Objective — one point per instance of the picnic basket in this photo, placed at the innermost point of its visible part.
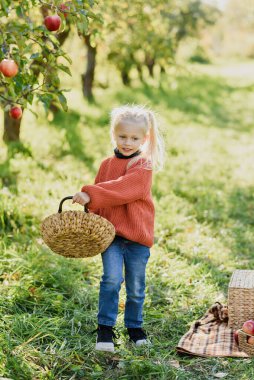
(243, 343)
(241, 298)
(77, 234)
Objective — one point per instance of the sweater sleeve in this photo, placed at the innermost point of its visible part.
(130, 187)
(96, 180)
(97, 177)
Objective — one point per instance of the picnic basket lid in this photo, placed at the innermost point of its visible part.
(242, 279)
(77, 234)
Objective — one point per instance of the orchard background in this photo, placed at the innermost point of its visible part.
(192, 62)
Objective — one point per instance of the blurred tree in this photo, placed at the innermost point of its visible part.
(141, 34)
(138, 34)
(232, 35)
(92, 37)
(237, 25)
(88, 76)
(241, 13)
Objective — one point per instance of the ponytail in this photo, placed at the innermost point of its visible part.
(156, 146)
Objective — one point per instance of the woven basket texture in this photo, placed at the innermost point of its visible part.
(77, 234)
(241, 298)
(243, 345)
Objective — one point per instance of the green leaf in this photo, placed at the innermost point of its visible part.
(63, 101)
(82, 27)
(46, 99)
(35, 55)
(7, 107)
(64, 68)
(19, 11)
(11, 90)
(30, 98)
(33, 112)
(67, 58)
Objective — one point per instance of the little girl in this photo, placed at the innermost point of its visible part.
(122, 194)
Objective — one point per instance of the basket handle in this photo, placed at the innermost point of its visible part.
(64, 199)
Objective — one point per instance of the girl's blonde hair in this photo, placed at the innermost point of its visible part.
(153, 148)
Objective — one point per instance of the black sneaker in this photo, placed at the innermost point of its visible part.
(104, 341)
(138, 336)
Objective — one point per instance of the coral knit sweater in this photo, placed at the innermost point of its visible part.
(123, 196)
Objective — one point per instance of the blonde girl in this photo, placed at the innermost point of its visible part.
(121, 193)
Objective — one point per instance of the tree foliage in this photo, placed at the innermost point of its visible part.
(37, 51)
(142, 33)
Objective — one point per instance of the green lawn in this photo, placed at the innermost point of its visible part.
(204, 229)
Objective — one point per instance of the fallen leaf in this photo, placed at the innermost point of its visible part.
(174, 363)
(32, 289)
(115, 358)
(220, 375)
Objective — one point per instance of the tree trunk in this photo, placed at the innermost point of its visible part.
(11, 128)
(150, 62)
(88, 76)
(162, 69)
(140, 72)
(125, 77)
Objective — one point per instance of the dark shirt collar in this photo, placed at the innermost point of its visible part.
(120, 155)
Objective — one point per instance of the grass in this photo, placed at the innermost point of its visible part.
(204, 230)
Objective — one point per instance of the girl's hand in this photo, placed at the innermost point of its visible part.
(81, 197)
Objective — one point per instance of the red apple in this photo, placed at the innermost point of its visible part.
(236, 336)
(248, 327)
(9, 68)
(15, 112)
(250, 340)
(63, 8)
(52, 23)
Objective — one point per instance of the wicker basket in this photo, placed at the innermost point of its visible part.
(241, 298)
(243, 344)
(77, 233)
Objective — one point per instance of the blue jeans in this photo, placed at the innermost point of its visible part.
(134, 256)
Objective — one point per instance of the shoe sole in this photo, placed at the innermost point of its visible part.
(143, 342)
(108, 347)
